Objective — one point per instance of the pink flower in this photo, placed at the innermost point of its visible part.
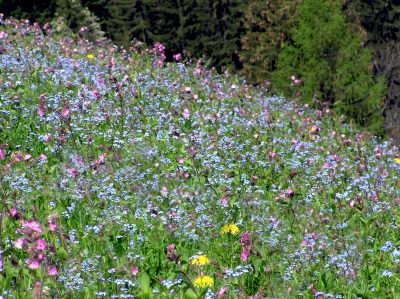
(246, 243)
(2, 154)
(65, 112)
(73, 171)
(40, 244)
(177, 57)
(186, 113)
(352, 203)
(52, 271)
(27, 157)
(134, 271)
(41, 111)
(41, 256)
(290, 192)
(52, 222)
(222, 292)
(225, 201)
(19, 243)
(164, 191)
(42, 157)
(14, 213)
(3, 35)
(33, 225)
(171, 247)
(33, 263)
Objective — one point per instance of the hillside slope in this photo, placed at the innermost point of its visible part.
(123, 177)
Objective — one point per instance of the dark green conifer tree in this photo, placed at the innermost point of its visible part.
(268, 24)
(331, 63)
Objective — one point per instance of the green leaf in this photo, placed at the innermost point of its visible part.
(144, 281)
(189, 294)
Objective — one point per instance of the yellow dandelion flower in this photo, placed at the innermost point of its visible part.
(203, 281)
(90, 56)
(200, 260)
(397, 160)
(230, 229)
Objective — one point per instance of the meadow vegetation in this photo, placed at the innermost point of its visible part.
(124, 176)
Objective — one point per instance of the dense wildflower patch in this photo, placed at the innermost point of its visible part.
(116, 168)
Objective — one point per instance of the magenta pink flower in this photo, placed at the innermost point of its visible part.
(52, 271)
(2, 154)
(33, 225)
(222, 292)
(65, 112)
(246, 243)
(177, 57)
(290, 192)
(134, 271)
(14, 213)
(40, 244)
(171, 247)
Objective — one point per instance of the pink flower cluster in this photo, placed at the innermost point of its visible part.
(34, 243)
(159, 50)
(246, 243)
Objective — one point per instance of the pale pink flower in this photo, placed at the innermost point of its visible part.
(19, 243)
(41, 111)
(42, 157)
(352, 203)
(186, 113)
(3, 35)
(164, 191)
(225, 201)
(33, 263)
(27, 157)
(52, 271)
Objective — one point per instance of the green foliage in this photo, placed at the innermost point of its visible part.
(381, 24)
(268, 24)
(75, 16)
(35, 10)
(331, 64)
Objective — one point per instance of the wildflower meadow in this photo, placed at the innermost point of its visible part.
(126, 176)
